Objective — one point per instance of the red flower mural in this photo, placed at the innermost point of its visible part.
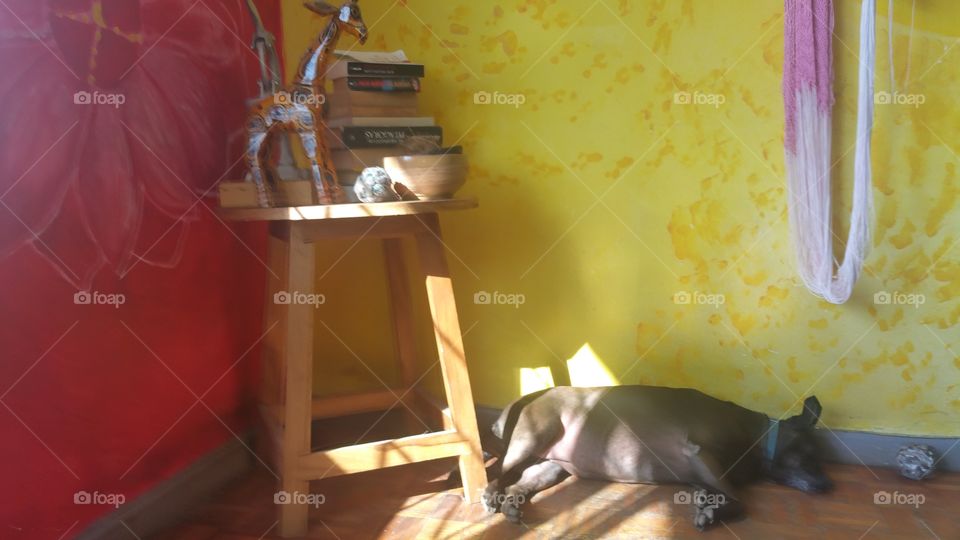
(118, 116)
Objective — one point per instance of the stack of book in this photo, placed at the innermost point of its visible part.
(373, 110)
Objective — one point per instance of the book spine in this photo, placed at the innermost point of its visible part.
(376, 84)
(375, 137)
(376, 111)
(385, 70)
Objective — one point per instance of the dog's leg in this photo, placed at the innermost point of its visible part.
(527, 445)
(533, 480)
(717, 502)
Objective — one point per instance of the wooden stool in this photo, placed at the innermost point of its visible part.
(287, 393)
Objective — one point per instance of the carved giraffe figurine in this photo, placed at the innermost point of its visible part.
(299, 109)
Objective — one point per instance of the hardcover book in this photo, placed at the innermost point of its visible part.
(378, 84)
(343, 96)
(380, 136)
(382, 111)
(410, 121)
(376, 64)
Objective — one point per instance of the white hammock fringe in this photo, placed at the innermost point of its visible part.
(808, 172)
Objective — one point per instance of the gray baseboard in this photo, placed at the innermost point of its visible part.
(839, 446)
(880, 450)
(167, 503)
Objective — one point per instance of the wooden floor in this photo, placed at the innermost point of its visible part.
(414, 501)
(411, 502)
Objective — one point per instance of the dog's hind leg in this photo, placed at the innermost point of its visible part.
(534, 479)
(527, 445)
(716, 502)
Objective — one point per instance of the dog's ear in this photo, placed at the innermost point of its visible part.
(811, 412)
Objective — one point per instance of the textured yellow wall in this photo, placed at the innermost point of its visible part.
(602, 198)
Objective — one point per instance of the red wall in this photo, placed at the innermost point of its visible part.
(95, 398)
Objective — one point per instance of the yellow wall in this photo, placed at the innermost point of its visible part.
(601, 198)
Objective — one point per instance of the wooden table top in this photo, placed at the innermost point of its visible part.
(342, 211)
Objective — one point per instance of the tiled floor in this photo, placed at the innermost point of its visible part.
(412, 502)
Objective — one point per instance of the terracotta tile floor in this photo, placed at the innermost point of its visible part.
(413, 502)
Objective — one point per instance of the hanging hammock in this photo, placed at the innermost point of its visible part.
(808, 105)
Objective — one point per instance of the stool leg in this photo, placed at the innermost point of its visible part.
(401, 308)
(404, 330)
(273, 349)
(299, 383)
(456, 380)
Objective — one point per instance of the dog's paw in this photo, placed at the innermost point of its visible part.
(714, 508)
(704, 517)
(490, 500)
(511, 510)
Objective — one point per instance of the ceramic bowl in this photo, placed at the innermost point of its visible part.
(429, 176)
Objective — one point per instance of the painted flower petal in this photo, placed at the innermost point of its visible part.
(177, 147)
(69, 245)
(162, 238)
(215, 33)
(111, 195)
(41, 134)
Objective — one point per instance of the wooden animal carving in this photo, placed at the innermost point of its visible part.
(299, 110)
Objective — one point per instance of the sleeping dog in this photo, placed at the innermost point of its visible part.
(647, 434)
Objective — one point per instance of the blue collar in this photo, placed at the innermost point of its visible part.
(770, 443)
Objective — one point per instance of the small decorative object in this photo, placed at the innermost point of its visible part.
(916, 461)
(430, 176)
(374, 185)
(298, 110)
